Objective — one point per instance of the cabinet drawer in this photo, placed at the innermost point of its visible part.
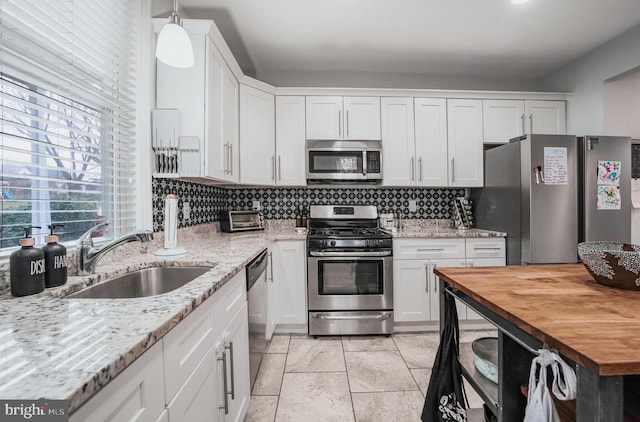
(428, 248)
(485, 248)
(228, 300)
(186, 345)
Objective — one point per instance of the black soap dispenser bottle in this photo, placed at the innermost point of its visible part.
(55, 259)
(26, 267)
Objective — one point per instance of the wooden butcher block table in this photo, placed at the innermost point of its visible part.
(560, 307)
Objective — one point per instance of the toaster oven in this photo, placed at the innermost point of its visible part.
(235, 221)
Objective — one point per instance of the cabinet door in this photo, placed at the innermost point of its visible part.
(464, 122)
(257, 137)
(289, 293)
(290, 142)
(545, 117)
(502, 120)
(197, 400)
(324, 117)
(398, 141)
(215, 148)
(230, 125)
(236, 344)
(434, 291)
(137, 394)
(182, 88)
(411, 286)
(431, 141)
(361, 118)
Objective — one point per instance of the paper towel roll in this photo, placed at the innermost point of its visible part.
(170, 221)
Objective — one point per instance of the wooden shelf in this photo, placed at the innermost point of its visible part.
(485, 388)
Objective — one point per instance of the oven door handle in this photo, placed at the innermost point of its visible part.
(381, 317)
(353, 254)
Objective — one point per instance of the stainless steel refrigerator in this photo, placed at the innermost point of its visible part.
(549, 192)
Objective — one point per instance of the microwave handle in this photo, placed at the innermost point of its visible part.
(364, 162)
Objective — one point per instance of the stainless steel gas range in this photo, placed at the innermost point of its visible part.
(349, 271)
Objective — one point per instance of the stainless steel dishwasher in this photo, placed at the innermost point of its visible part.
(257, 303)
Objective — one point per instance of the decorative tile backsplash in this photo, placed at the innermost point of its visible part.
(206, 202)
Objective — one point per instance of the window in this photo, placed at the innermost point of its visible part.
(67, 116)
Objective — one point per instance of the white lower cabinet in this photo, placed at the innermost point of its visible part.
(196, 400)
(416, 289)
(236, 367)
(288, 284)
(137, 394)
(199, 371)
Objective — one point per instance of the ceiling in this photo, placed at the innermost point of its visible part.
(486, 38)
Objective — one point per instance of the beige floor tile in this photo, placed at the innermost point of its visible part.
(262, 409)
(418, 350)
(315, 355)
(279, 344)
(422, 377)
(367, 343)
(378, 371)
(315, 397)
(269, 377)
(403, 406)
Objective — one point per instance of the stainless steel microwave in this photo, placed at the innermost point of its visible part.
(344, 161)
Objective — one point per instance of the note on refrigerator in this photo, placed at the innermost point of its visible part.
(555, 166)
(609, 173)
(609, 198)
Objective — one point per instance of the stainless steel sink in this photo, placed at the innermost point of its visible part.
(141, 283)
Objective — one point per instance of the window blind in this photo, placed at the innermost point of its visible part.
(67, 114)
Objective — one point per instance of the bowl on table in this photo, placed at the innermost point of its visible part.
(485, 357)
(613, 264)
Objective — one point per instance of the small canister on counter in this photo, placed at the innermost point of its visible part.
(26, 267)
(55, 259)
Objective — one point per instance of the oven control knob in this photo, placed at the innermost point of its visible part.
(332, 243)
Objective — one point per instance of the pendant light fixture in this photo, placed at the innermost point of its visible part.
(174, 45)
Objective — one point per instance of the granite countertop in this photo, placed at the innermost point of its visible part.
(69, 349)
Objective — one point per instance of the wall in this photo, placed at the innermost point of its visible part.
(585, 78)
(206, 202)
(622, 105)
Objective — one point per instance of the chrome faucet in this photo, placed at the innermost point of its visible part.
(89, 255)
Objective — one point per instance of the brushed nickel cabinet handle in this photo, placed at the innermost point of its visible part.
(279, 169)
(453, 170)
(346, 122)
(426, 277)
(224, 382)
(420, 169)
(413, 170)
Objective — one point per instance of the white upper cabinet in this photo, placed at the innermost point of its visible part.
(289, 160)
(545, 117)
(431, 141)
(361, 118)
(464, 122)
(206, 96)
(398, 141)
(257, 137)
(502, 120)
(506, 119)
(336, 117)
